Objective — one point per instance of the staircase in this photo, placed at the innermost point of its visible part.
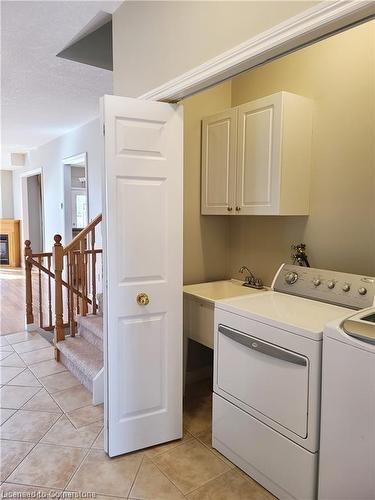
(64, 287)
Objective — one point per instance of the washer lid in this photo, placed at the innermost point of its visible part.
(304, 317)
(361, 326)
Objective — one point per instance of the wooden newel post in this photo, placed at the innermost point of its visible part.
(58, 257)
(29, 285)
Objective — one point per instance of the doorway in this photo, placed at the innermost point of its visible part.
(75, 195)
(32, 209)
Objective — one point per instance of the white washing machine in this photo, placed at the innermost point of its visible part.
(267, 375)
(347, 449)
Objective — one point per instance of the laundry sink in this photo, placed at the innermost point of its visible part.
(218, 290)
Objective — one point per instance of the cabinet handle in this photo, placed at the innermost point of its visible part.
(238, 209)
(229, 209)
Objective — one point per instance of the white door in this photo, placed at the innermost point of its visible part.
(142, 255)
(219, 143)
(258, 156)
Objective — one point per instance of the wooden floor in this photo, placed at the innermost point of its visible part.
(12, 300)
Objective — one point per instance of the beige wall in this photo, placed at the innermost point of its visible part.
(338, 74)
(6, 194)
(205, 238)
(154, 42)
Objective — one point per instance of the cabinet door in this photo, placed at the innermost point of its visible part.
(258, 156)
(219, 142)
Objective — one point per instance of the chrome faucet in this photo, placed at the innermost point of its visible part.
(250, 280)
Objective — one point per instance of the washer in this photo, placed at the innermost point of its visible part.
(347, 449)
(267, 374)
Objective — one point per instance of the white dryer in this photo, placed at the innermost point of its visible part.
(267, 375)
(347, 448)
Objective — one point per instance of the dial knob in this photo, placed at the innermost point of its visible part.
(331, 284)
(362, 290)
(291, 277)
(346, 287)
(317, 282)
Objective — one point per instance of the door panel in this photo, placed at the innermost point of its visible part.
(219, 138)
(258, 166)
(143, 254)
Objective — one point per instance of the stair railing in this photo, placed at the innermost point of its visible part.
(70, 288)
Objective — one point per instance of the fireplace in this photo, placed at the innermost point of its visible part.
(9, 242)
(4, 249)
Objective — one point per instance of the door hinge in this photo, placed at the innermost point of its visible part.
(103, 129)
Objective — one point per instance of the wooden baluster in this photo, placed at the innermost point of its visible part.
(76, 279)
(93, 272)
(82, 278)
(40, 294)
(72, 322)
(29, 284)
(49, 293)
(58, 260)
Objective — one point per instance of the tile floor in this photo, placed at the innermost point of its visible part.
(52, 440)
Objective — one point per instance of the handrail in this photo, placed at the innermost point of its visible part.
(52, 275)
(70, 278)
(70, 246)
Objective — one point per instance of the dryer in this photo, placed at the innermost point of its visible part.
(267, 375)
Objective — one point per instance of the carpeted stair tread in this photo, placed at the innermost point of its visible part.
(86, 357)
(93, 323)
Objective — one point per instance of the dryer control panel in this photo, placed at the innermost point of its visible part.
(347, 290)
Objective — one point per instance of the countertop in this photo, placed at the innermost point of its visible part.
(218, 290)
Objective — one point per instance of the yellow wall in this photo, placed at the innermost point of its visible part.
(156, 41)
(338, 74)
(205, 238)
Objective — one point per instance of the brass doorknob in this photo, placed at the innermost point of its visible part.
(142, 299)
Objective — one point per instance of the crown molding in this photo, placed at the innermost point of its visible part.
(317, 22)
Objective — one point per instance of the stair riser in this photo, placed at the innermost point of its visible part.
(69, 365)
(91, 337)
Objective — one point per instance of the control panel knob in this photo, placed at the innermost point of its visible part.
(291, 277)
(346, 287)
(362, 290)
(317, 282)
(331, 284)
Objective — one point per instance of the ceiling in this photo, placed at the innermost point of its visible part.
(44, 96)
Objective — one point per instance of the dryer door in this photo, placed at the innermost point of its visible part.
(272, 380)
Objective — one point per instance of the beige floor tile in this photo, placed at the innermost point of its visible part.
(206, 438)
(72, 398)
(27, 425)
(231, 485)
(6, 348)
(108, 476)
(190, 465)
(15, 338)
(198, 415)
(99, 441)
(86, 415)
(15, 397)
(12, 453)
(37, 356)
(4, 355)
(26, 378)
(11, 490)
(13, 360)
(7, 373)
(42, 401)
(48, 466)
(5, 414)
(31, 345)
(59, 381)
(64, 432)
(163, 448)
(48, 367)
(3, 341)
(151, 484)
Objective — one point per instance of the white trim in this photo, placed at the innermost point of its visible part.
(319, 21)
(24, 207)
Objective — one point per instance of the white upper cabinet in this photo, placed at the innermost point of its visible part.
(219, 143)
(271, 166)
